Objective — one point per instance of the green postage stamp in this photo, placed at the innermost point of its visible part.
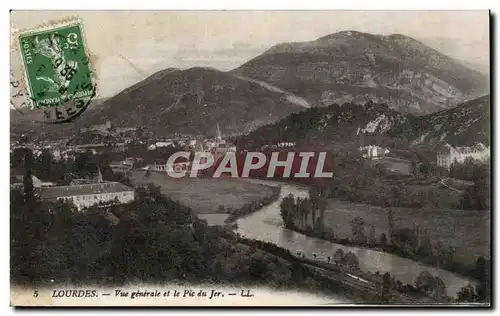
(57, 70)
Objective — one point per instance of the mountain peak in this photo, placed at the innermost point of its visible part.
(352, 66)
(193, 101)
(399, 36)
(347, 33)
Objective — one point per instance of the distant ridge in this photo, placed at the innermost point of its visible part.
(351, 66)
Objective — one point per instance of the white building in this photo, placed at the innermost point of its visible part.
(17, 181)
(181, 164)
(151, 147)
(86, 195)
(373, 151)
(221, 146)
(102, 127)
(164, 144)
(451, 154)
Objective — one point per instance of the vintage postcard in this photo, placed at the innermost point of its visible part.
(250, 158)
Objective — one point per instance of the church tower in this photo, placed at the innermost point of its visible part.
(219, 134)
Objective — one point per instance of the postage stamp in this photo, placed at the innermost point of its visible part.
(57, 71)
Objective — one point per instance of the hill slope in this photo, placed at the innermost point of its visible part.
(193, 101)
(334, 124)
(463, 125)
(357, 67)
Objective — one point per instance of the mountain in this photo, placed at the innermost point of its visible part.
(334, 124)
(372, 123)
(26, 120)
(193, 101)
(351, 66)
(464, 125)
(474, 55)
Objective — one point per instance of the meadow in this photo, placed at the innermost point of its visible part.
(467, 231)
(205, 195)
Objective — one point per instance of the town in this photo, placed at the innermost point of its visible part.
(128, 149)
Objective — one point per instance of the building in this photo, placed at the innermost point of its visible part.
(221, 146)
(86, 195)
(17, 181)
(181, 164)
(164, 144)
(125, 129)
(101, 128)
(373, 151)
(94, 148)
(450, 154)
(119, 147)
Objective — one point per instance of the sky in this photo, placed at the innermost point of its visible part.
(127, 46)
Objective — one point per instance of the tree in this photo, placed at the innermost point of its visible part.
(44, 165)
(386, 287)
(425, 281)
(84, 165)
(305, 209)
(351, 260)
(358, 230)
(383, 240)
(338, 256)
(439, 288)
(28, 177)
(288, 211)
(221, 209)
(395, 195)
(483, 275)
(18, 156)
(444, 254)
(424, 169)
(372, 240)
(467, 294)
(258, 267)
(477, 196)
(390, 220)
(425, 248)
(318, 195)
(406, 240)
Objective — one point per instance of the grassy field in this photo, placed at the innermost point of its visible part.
(467, 231)
(205, 196)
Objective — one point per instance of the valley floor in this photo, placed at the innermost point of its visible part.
(466, 231)
(205, 195)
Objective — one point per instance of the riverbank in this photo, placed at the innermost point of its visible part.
(249, 208)
(466, 232)
(352, 282)
(267, 225)
(453, 267)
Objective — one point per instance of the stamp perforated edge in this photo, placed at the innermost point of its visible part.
(16, 33)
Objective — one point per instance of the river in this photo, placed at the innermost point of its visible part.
(266, 225)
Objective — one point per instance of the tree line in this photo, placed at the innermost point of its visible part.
(406, 242)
